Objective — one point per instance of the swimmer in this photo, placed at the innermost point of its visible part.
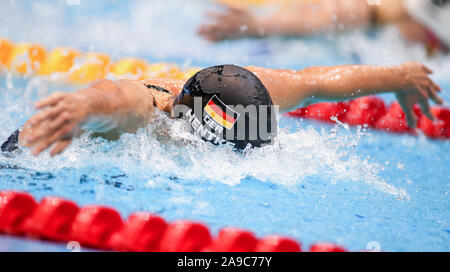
(423, 21)
(210, 102)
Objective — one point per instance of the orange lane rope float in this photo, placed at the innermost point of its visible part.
(80, 68)
(102, 227)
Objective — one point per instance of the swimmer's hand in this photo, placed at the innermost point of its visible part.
(234, 23)
(418, 88)
(56, 123)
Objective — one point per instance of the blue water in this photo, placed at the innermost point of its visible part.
(317, 183)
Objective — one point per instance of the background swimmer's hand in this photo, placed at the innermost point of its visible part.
(56, 123)
(418, 88)
(232, 24)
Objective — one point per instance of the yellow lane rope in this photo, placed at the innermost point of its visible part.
(79, 68)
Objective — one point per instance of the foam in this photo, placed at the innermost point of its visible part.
(166, 149)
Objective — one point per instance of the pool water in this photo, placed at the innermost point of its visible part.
(319, 182)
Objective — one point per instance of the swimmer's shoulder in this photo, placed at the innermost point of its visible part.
(172, 85)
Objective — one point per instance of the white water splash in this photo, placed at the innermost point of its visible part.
(167, 148)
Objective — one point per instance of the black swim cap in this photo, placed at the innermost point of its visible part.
(228, 104)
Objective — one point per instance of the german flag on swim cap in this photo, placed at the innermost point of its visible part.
(221, 113)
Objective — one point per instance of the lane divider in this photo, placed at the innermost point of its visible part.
(51, 219)
(77, 67)
(80, 68)
(372, 112)
(102, 227)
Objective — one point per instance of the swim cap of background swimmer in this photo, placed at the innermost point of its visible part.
(235, 108)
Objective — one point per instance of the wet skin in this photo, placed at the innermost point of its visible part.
(115, 107)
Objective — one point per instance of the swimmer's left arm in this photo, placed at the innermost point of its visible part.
(409, 82)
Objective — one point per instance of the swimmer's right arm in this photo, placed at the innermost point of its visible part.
(103, 106)
(410, 82)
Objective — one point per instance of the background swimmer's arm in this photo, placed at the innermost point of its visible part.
(317, 17)
(409, 82)
(303, 19)
(105, 105)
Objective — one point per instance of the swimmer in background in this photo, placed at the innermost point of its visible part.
(123, 106)
(423, 21)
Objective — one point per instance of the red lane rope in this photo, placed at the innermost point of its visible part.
(373, 112)
(101, 227)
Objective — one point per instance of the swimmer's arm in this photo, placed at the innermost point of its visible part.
(328, 15)
(123, 105)
(313, 18)
(409, 82)
(104, 106)
(303, 19)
